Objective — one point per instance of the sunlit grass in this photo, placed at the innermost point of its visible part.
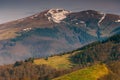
(59, 62)
(90, 73)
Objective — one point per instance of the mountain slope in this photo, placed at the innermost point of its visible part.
(91, 73)
(54, 31)
(58, 62)
(99, 60)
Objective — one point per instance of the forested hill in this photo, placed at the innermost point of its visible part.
(98, 53)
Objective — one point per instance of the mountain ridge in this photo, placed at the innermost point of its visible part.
(37, 36)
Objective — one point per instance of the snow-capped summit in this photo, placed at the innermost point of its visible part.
(57, 15)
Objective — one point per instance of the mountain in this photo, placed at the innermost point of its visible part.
(54, 31)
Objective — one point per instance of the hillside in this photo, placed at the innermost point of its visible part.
(90, 73)
(59, 62)
(110, 71)
(105, 52)
(96, 61)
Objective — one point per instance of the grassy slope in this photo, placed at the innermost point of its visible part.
(62, 62)
(59, 62)
(90, 73)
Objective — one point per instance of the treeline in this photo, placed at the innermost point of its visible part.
(107, 52)
(29, 71)
(115, 38)
(114, 67)
(100, 53)
(104, 51)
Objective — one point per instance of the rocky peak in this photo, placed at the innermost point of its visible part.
(57, 15)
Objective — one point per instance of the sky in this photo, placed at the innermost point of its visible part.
(16, 9)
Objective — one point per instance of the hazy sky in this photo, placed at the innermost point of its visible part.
(15, 9)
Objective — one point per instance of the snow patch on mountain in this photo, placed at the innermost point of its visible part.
(27, 29)
(92, 32)
(102, 18)
(34, 16)
(57, 15)
(117, 21)
(19, 20)
(82, 22)
(74, 19)
(87, 12)
(76, 23)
